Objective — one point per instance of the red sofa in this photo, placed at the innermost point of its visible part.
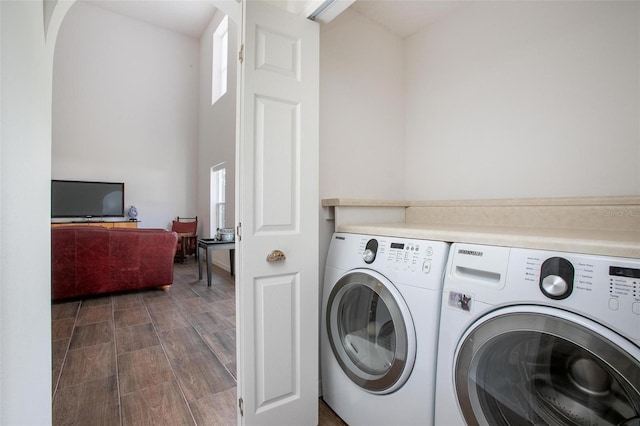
(87, 260)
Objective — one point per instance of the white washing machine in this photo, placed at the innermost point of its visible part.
(531, 337)
(381, 303)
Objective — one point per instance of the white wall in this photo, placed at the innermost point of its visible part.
(25, 173)
(362, 141)
(125, 108)
(217, 131)
(499, 100)
(525, 99)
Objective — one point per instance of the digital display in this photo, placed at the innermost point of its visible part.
(397, 246)
(619, 271)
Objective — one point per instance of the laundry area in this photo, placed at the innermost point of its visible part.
(511, 317)
(454, 210)
(507, 131)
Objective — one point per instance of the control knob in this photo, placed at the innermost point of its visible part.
(556, 278)
(554, 285)
(368, 256)
(370, 251)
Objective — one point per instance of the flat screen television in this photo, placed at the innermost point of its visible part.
(70, 198)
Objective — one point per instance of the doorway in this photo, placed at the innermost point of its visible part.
(212, 141)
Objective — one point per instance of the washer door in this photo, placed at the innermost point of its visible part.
(534, 365)
(371, 331)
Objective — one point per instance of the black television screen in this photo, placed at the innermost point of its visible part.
(87, 199)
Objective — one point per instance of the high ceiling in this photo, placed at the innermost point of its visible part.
(401, 17)
(405, 17)
(186, 17)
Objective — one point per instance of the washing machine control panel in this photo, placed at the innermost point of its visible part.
(598, 286)
(624, 283)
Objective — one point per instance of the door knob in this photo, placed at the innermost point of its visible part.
(276, 256)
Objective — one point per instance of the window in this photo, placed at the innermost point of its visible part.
(219, 62)
(217, 199)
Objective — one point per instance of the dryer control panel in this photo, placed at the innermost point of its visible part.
(398, 255)
(403, 260)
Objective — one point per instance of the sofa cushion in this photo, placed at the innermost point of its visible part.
(63, 272)
(92, 260)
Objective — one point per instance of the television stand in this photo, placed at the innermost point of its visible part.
(103, 223)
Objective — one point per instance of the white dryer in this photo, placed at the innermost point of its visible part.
(381, 303)
(538, 337)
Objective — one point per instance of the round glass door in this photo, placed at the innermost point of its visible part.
(541, 366)
(370, 331)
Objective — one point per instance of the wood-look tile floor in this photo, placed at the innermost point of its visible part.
(150, 357)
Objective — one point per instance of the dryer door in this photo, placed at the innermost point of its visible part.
(538, 365)
(371, 331)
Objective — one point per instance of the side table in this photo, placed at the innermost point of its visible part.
(208, 244)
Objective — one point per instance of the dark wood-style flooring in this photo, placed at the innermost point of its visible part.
(150, 357)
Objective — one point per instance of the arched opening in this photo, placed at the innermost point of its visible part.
(95, 157)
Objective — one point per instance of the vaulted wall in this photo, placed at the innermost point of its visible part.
(125, 109)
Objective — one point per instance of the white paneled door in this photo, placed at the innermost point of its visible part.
(277, 281)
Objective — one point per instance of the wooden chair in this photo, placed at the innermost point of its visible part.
(187, 229)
